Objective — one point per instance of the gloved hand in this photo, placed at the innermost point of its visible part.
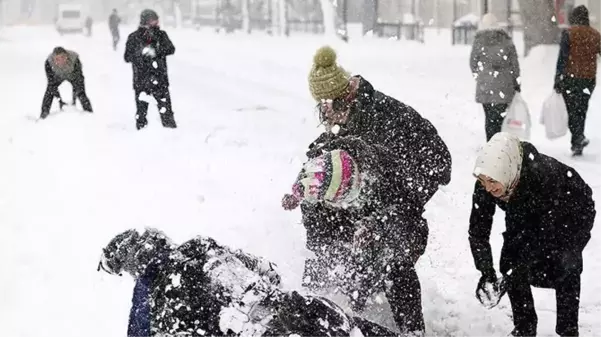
(290, 202)
(518, 88)
(490, 290)
(149, 51)
(61, 103)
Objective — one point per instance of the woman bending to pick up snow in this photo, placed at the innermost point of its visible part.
(549, 214)
(202, 288)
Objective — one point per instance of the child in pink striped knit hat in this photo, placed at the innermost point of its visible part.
(333, 178)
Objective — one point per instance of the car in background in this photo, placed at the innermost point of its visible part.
(70, 19)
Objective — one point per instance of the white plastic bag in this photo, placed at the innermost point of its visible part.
(554, 116)
(517, 119)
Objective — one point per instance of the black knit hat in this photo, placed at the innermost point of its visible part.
(579, 16)
(131, 251)
(148, 15)
(59, 50)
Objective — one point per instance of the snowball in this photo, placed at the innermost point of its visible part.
(531, 156)
(495, 74)
(431, 22)
(569, 174)
(501, 94)
(505, 57)
(586, 91)
(335, 129)
(155, 64)
(163, 110)
(476, 206)
(553, 19)
(155, 82)
(176, 280)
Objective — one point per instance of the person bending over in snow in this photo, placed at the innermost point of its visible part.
(147, 49)
(403, 161)
(64, 65)
(549, 214)
(202, 288)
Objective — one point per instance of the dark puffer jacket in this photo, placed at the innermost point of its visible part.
(407, 160)
(186, 289)
(548, 221)
(144, 71)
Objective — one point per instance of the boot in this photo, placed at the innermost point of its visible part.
(577, 149)
(168, 121)
(141, 123)
(519, 333)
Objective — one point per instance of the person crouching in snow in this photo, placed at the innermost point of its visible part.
(147, 49)
(64, 65)
(202, 288)
(549, 214)
(404, 161)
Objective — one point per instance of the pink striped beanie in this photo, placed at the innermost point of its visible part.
(332, 177)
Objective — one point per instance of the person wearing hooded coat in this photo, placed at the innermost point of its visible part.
(496, 69)
(405, 160)
(203, 288)
(147, 49)
(549, 214)
(576, 72)
(64, 65)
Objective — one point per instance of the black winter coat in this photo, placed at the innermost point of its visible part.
(114, 21)
(408, 160)
(548, 221)
(187, 289)
(144, 71)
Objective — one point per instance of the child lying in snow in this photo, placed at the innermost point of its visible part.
(202, 288)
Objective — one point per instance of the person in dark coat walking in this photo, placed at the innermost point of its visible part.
(549, 214)
(114, 22)
(496, 69)
(203, 288)
(147, 49)
(64, 65)
(405, 161)
(576, 73)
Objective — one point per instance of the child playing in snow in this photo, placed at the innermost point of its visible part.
(202, 288)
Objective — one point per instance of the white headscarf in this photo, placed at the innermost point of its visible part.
(501, 160)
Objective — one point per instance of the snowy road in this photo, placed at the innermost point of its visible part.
(72, 181)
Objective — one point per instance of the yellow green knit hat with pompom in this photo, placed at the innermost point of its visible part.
(327, 80)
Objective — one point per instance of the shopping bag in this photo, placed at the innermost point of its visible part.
(517, 119)
(554, 116)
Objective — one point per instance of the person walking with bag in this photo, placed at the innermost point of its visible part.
(576, 73)
(495, 67)
(549, 215)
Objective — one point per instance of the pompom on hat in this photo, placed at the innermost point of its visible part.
(327, 80)
(333, 178)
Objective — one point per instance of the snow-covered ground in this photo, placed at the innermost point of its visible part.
(69, 183)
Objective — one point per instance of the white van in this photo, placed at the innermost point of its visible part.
(70, 19)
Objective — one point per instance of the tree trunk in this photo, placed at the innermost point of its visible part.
(540, 23)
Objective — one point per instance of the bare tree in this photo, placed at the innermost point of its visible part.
(540, 24)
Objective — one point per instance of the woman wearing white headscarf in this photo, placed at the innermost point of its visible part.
(549, 213)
